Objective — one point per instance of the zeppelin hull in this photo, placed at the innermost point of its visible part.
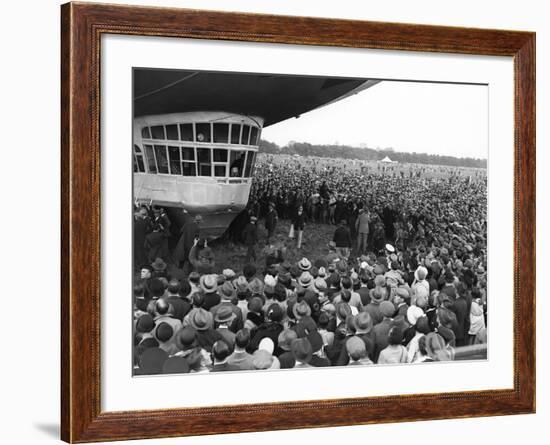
(218, 201)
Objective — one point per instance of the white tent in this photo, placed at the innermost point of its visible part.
(387, 160)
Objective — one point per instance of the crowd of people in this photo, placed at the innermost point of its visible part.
(402, 280)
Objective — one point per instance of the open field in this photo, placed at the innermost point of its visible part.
(427, 170)
(314, 245)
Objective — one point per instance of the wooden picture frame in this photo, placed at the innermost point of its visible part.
(82, 26)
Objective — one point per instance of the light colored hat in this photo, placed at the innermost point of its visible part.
(266, 344)
(320, 284)
(363, 321)
(227, 290)
(285, 339)
(224, 314)
(356, 347)
(421, 273)
(301, 309)
(390, 248)
(241, 285)
(329, 308)
(209, 283)
(270, 282)
(256, 286)
(322, 272)
(387, 309)
(262, 359)
(229, 274)
(304, 264)
(305, 279)
(402, 292)
(413, 314)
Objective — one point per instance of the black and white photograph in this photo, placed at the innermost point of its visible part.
(296, 221)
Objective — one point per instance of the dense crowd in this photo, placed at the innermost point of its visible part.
(403, 279)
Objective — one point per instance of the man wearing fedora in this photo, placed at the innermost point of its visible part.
(209, 287)
(224, 318)
(228, 297)
(201, 320)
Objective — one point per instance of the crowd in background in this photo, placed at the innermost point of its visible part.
(402, 279)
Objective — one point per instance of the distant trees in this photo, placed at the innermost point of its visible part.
(368, 154)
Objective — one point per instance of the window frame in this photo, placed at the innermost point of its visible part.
(141, 155)
(196, 134)
(195, 145)
(186, 161)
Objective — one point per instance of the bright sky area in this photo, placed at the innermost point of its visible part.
(434, 118)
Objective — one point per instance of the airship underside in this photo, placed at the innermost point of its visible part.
(196, 135)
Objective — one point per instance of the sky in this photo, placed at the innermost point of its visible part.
(434, 118)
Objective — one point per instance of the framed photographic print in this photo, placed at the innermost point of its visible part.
(276, 222)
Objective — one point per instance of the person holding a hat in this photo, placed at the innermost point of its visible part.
(189, 232)
(202, 257)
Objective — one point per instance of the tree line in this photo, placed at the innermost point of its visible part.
(368, 154)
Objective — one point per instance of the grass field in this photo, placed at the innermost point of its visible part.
(314, 245)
